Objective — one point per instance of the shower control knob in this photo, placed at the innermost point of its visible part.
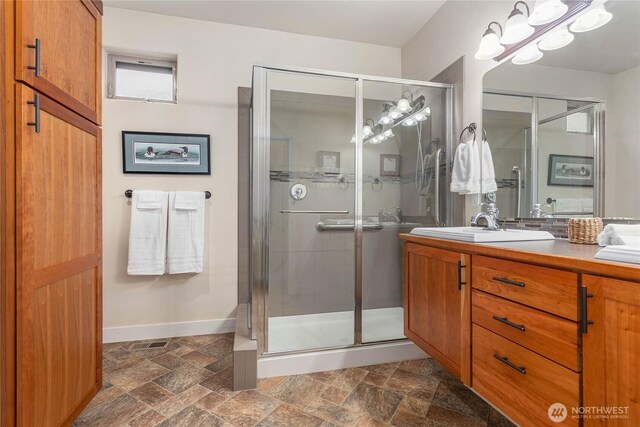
(298, 192)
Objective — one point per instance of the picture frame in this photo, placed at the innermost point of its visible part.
(166, 153)
(328, 161)
(567, 170)
(389, 165)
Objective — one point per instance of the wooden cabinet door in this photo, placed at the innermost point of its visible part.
(59, 273)
(436, 306)
(611, 350)
(69, 34)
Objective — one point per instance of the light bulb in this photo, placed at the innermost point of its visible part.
(421, 116)
(385, 119)
(516, 28)
(388, 133)
(527, 55)
(395, 113)
(557, 39)
(366, 130)
(595, 18)
(404, 105)
(546, 11)
(409, 122)
(382, 137)
(490, 46)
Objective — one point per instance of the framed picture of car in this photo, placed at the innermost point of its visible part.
(570, 170)
(165, 153)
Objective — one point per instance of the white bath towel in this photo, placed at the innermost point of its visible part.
(489, 184)
(612, 232)
(148, 233)
(465, 176)
(568, 205)
(621, 253)
(185, 247)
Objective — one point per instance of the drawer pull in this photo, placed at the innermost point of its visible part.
(509, 323)
(508, 282)
(36, 106)
(35, 68)
(509, 363)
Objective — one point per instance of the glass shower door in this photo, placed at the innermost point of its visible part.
(311, 257)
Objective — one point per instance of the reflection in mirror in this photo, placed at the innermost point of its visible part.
(548, 132)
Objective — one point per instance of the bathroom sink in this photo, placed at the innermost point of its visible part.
(479, 235)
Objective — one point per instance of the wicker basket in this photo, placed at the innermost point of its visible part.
(584, 230)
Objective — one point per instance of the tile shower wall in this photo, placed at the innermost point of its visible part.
(313, 271)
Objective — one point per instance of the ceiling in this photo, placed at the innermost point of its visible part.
(610, 49)
(389, 23)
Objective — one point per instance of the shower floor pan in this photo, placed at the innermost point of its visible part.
(323, 330)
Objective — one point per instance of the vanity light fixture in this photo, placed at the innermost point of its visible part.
(385, 118)
(557, 39)
(367, 129)
(546, 11)
(527, 55)
(404, 105)
(490, 46)
(595, 18)
(516, 29)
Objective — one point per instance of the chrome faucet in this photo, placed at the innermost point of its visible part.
(491, 216)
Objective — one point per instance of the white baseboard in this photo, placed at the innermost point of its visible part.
(329, 360)
(166, 330)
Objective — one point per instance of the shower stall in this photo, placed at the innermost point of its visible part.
(341, 164)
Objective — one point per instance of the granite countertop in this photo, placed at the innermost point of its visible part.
(557, 253)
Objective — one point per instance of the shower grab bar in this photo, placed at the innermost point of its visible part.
(321, 226)
(518, 172)
(436, 200)
(314, 212)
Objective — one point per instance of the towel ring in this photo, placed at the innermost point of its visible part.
(472, 129)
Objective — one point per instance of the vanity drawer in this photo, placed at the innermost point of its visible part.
(548, 289)
(546, 334)
(520, 382)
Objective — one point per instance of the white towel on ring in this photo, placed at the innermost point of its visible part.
(465, 175)
(185, 247)
(489, 184)
(148, 233)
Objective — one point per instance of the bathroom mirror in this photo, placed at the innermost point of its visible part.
(563, 130)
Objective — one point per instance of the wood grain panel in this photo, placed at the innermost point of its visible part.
(546, 334)
(525, 397)
(59, 263)
(547, 289)
(70, 55)
(64, 374)
(434, 304)
(7, 218)
(611, 350)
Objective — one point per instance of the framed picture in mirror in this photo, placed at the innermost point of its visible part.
(328, 161)
(570, 170)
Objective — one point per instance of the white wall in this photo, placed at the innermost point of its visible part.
(624, 144)
(213, 60)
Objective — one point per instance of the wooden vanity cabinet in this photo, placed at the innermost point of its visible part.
(436, 301)
(611, 349)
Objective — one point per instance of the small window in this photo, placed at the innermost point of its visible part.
(141, 79)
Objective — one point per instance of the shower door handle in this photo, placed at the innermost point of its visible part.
(287, 211)
(436, 199)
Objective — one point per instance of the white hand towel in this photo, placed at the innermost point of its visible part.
(587, 205)
(489, 184)
(185, 247)
(148, 233)
(465, 176)
(612, 231)
(568, 205)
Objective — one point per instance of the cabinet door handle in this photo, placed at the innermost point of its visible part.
(506, 361)
(36, 106)
(508, 282)
(584, 320)
(509, 323)
(35, 68)
(460, 282)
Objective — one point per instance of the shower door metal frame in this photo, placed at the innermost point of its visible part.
(599, 138)
(260, 198)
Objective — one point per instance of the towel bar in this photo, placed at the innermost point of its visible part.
(129, 193)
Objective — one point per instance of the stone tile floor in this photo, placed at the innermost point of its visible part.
(187, 382)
